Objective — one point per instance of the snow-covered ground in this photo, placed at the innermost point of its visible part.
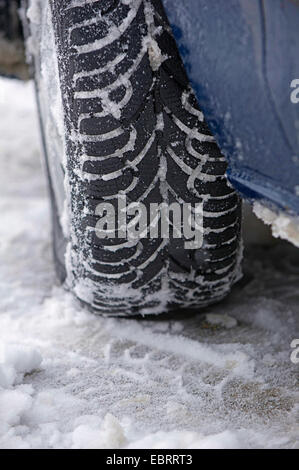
(222, 378)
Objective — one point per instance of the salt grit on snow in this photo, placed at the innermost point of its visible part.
(220, 379)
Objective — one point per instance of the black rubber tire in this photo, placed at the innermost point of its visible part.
(125, 50)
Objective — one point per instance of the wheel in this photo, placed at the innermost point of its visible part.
(120, 120)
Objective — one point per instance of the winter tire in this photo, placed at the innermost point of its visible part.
(118, 116)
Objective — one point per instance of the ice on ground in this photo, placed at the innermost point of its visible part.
(220, 379)
(223, 320)
(99, 434)
(16, 362)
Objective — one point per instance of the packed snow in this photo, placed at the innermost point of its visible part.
(222, 378)
(282, 225)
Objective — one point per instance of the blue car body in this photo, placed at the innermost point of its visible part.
(242, 57)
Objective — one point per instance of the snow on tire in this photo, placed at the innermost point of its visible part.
(131, 126)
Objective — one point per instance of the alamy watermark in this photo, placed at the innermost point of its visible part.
(157, 220)
(295, 93)
(295, 353)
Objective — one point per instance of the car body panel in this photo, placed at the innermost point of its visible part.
(242, 57)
